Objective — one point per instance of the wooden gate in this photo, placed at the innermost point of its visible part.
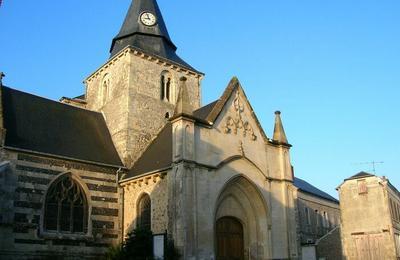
(230, 244)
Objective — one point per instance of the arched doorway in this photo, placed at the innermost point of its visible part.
(241, 218)
(230, 242)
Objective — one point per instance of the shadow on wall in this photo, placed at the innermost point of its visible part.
(228, 210)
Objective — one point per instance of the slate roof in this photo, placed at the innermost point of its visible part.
(157, 156)
(83, 97)
(306, 187)
(153, 40)
(41, 125)
(360, 175)
(204, 111)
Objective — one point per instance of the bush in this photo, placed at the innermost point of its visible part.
(114, 253)
(139, 246)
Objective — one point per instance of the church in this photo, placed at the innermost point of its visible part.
(139, 149)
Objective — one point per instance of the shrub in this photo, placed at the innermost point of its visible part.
(139, 246)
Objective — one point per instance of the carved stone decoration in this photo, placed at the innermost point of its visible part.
(241, 148)
(236, 123)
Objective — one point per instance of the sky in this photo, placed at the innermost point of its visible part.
(331, 67)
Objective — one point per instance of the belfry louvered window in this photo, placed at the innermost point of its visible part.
(144, 212)
(66, 207)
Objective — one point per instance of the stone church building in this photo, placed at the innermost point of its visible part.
(139, 149)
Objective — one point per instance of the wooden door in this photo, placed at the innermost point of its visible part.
(230, 245)
(369, 247)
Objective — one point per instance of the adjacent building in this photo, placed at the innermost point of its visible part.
(370, 214)
(318, 217)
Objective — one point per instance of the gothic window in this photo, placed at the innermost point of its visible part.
(144, 212)
(65, 207)
(166, 85)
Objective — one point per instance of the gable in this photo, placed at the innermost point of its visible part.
(40, 125)
(233, 114)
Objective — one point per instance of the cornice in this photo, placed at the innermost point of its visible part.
(149, 57)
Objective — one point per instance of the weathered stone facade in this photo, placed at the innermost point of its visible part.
(196, 166)
(229, 169)
(156, 186)
(370, 218)
(127, 90)
(329, 247)
(317, 217)
(24, 181)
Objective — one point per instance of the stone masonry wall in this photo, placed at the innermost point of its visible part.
(26, 182)
(311, 227)
(134, 111)
(156, 187)
(115, 106)
(329, 247)
(366, 222)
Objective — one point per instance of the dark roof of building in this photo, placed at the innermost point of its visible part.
(360, 175)
(41, 125)
(153, 40)
(306, 187)
(83, 96)
(157, 156)
(204, 111)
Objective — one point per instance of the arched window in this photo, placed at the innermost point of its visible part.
(66, 207)
(105, 89)
(166, 84)
(144, 212)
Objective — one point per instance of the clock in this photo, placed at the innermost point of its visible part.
(148, 19)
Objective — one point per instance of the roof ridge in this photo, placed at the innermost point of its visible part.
(323, 195)
(50, 100)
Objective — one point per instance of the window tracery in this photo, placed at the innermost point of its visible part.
(65, 207)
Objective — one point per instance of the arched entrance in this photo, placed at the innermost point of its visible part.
(241, 222)
(230, 243)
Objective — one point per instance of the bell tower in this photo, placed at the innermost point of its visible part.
(137, 88)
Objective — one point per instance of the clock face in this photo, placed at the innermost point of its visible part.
(148, 19)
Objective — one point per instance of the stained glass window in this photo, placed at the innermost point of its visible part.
(66, 207)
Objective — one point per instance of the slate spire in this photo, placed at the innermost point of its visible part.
(279, 132)
(151, 38)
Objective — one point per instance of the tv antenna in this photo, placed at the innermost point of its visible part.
(373, 163)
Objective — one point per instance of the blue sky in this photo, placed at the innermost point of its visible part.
(331, 67)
